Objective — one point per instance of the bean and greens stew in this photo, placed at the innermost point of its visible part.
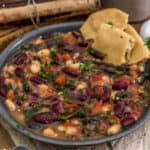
(58, 86)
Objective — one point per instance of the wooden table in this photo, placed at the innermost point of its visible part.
(137, 140)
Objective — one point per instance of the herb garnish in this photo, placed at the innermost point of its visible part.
(147, 42)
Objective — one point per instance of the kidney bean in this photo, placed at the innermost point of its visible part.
(82, 42)
(119, 110)
(127, 101)
(71, 71)
(97, 54)
(118, 85)
(106, 95)
(82, 97)
(128, 121)
(89, 92)
(51, 100)
(37, 80)
(37, 58)
(57, 108)
(3, 92)
(76, 34)
(19, 72)
(21, 59)
(33, 96)
(126, 115)
(147, 67)
(2, 79)
(45, 118)
(19, 102)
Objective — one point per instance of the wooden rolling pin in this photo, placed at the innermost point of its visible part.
(53, 7)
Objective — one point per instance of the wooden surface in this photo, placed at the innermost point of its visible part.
(137, 140)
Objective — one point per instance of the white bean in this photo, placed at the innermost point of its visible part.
(81, 85)
(105, 108)
(49, 132)
(114, 129)
(44, 53)
(35, 66)
(75, 65)
(38, 41)
(10, 69)
(11, 106)
(61, 128)
(71, 130)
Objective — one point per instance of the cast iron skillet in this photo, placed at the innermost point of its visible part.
(12, 48)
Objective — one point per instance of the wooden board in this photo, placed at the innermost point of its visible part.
(137, 140)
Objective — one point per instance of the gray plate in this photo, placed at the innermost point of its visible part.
(11, 49)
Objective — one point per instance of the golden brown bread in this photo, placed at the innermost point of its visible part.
(112, 16)
(114, 43)
(140, 51)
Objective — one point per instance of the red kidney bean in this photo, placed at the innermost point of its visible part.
(71, 71)
(128, 121)
(2, 79)
(118, 85)
(45, 118)
(37, 58)
(82, 97)
(106, 96)
(126, 115)
(57, 108)
(21, 59)
(19, 102)
(33, 96)
(51, 100)
(82, 42)
(19, 72)
(119, 110)
(37, 80)
(127, 101)
(97, 54)
(90, 93)
(3, 92)
(147, 67)
(76, 34)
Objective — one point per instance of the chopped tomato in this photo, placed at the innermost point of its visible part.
(10, 94)
(60, 79)
(103, 126)
(133, 88)
(71, 105)
(97, 107)
(53, 69)
(70, 39)
(66, 57)
(99, 90)
(100, 79)
(59, 57)
(137, 111)
(125, 79)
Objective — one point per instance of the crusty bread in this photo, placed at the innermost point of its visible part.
(140, 51)
(114, 43)
(112, 16)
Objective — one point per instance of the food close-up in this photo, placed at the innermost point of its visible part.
(73, 83)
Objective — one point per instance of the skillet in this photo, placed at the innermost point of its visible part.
(14, 47)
